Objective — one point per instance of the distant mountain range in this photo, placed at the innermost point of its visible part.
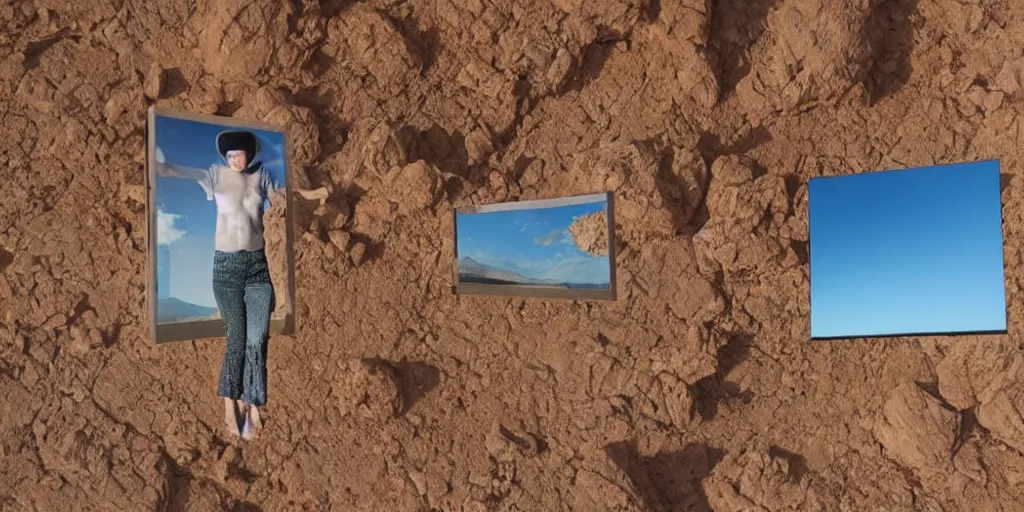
(175, 310)
(473, 271)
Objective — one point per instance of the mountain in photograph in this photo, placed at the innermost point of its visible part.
(472, 271)
(584, 272)
(176, 310)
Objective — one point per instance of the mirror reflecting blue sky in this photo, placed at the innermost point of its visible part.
(916, 251)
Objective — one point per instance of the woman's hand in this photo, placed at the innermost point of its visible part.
(168, 170)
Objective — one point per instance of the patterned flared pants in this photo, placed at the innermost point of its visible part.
(245, 296)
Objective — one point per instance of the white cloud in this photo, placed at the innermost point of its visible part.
(166, 232)
(550, 238)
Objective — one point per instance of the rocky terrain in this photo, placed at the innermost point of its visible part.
(590, 233)
(698, 389)
(276, 247)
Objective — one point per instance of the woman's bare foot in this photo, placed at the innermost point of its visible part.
(253, 421)
(257, 417)
(231, 416)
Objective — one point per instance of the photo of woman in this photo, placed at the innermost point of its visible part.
(240, 186)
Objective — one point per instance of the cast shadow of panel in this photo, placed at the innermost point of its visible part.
(176, 486)
(668, 481)
(111, 335)
(689, 213)
(437, 147)
(6, 258)
(179, 482)
(891, 26)
(710, 391)
(802, 250)
(318, 63)
(711, 146)
(424, 45)
(332, 8)
(735, 26)
(414, 380)
(374, 248)
(172, 83)
(35, 49)
(589, 67)
(333, 129)
(689, 210)
(797, 463)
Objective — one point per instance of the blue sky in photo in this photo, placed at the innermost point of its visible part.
(534, 243)
(917, 251)
(186, 220)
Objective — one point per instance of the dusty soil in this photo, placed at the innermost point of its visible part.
(590, 233)
(275, 244)
(698, 389)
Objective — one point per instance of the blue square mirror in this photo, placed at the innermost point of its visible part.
(907, 252)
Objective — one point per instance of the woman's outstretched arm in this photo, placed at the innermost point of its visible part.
(169, 170)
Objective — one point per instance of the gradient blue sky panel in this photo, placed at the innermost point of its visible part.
(917, 251)
(186, 220)
(533, 242)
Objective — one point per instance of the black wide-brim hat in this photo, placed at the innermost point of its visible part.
(231, 140)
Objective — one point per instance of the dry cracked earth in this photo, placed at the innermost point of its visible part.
(697, 390)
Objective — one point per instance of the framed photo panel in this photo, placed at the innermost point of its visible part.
(552, 248)
(907, 252)
(191, 215)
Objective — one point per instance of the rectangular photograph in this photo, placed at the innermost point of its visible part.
(219, 230)
(907, 252)
(553, 248)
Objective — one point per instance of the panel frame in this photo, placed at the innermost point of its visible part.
(923, 334)
(538, 291)
(170, 332)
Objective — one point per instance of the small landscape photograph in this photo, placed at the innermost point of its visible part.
(547, 248)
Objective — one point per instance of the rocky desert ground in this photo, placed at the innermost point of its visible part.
(698, 389)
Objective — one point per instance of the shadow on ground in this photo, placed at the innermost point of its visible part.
(670, 480)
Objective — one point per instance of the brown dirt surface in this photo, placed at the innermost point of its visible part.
(276, 247)
(697, 390)
(590, 233)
